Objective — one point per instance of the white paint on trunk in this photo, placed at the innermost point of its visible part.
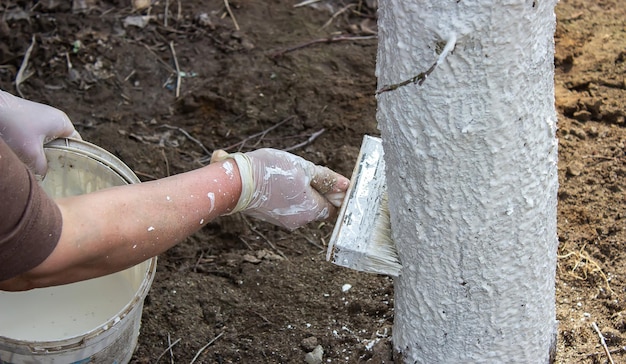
(471, 159)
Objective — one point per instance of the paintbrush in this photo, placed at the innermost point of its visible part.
(361, 239)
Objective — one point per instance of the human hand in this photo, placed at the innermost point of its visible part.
(26, 126)
(284, 189)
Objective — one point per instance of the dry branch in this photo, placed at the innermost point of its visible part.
(260, 134)
(334, 39)
(178, 76)
(185, 133)
(268, 241)
(335, 15)
(205, 346)
(230, 13)
(603, 342)
(306, 142)
(169, 348)
(20, 73)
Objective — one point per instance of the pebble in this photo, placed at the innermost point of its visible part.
(582, 115)
(575, 169)
(309, 344)
(579, 133)
(316, 356)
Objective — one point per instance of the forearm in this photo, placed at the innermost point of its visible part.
(112, 229)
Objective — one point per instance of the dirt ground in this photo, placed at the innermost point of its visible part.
(162, 87)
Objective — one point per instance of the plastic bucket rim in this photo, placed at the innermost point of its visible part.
(97, 153)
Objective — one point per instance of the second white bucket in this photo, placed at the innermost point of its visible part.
(95, 321)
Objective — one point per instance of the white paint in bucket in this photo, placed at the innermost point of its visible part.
(95, 321)
(63, 312)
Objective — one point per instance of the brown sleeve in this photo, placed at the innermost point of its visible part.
(31, 222)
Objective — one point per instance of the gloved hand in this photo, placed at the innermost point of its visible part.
(284, 189)
(26, 125)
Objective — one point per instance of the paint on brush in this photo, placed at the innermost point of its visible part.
(361, 238)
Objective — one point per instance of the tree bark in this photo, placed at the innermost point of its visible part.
(468, 122)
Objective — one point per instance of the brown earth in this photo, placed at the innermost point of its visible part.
(258, 293)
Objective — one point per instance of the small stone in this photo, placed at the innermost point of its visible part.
(574, 169)
(309, 344)
(582, 115)
(248, 258)
(141, 4)
(579, 133)
(593, 132)
(268, 255)
(247, 44)
(316, 356)
(205, 20)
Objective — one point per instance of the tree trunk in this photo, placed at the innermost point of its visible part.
(467, 117)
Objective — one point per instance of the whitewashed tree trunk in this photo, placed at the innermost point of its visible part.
(471, 157)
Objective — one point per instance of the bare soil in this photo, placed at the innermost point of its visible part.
(164, 86)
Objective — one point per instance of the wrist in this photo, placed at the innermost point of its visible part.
(243, 166)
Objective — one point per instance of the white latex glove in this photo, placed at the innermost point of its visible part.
(26, 126)
(284, 189)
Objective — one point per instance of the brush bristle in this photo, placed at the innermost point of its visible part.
(362, 239)
(373, 251)
(381, 254)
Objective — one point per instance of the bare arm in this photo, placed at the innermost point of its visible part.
(116, 228)
(113, 229)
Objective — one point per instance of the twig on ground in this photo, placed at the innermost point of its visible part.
(169, 342)
(612, 351)
(185, 133)
(603, 342)
(169, 348)
(256, 231)
(139, 173)
(306, 142)
(335, 15)
(305, 3)
(600, 157)
(129, 75)
(178, 76)
(203, 260)
(166, 15)
(20, 73)
(575, 16)
(169, 68)
(195, 267)
(245, 243)
(205, 346)
(230, 13)
(259, 134)
(262, 317)
(311, 241)
(333, 39)
(167, 163)
(70, 68)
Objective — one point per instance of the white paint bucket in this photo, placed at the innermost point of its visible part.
(95, 321)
